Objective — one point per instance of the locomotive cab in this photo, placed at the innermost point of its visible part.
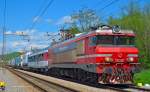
(115, 54)
(116, 48)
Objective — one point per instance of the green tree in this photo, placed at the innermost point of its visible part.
(74, 30)
(84, 19)
(137, 19)
(10, 56)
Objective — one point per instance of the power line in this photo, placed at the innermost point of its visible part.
(38, 12)
(4, 31)
(41, 14)
(108, 5)
(111, 13)
(41, 8)
(4, 14)
(100, 2)
(106, 15)
(111, 3)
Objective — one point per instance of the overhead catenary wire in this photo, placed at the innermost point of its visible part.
(38, 12)
(106, 6)
(42, 10)
(35, 16)
(41, 14)
(111, 13)
(109, 4)
(108, 15)
(99, 3)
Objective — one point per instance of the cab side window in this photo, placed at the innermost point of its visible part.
(92, 41)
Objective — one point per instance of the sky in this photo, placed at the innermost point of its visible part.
(20, 15)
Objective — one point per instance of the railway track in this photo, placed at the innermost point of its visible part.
(45, 84)
(122, 88)
(136, 89)
(129, 88)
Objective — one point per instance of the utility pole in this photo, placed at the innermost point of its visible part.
(4, 44)
(4, 30)
(20, 34)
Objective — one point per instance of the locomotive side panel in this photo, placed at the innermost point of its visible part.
(50, 56)
(65, 57)
(80, 48)
(64, 54)
(68, 53)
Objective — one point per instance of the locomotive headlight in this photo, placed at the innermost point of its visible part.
(130, 59)
(108, 59)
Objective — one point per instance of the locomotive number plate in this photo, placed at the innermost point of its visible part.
(119, 60)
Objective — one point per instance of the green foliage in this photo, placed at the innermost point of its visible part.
(139, 21)
(84, 19)
(74, 30)
(81, 21)
(142, 77)
(10, 56)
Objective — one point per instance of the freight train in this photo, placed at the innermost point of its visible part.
(104, 55)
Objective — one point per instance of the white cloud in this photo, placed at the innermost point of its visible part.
(38, 39)
(39, 19)
(27, 31)
(8, 32)
(19, 43)
(14, 44)
(21, 32)
(33, 35)
(65, 19)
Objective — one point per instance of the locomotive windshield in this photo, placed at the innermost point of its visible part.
(115, 40)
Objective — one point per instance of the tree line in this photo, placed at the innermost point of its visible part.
(138, 19)
(131, 17)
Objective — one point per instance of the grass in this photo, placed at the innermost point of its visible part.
(142, 77)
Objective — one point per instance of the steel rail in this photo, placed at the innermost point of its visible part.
(129, 88)
(139, 88)
(43, 85)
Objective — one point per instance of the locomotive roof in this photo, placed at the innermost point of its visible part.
(96, 32)
(38, 52)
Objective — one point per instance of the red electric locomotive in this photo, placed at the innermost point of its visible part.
(104, 55)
